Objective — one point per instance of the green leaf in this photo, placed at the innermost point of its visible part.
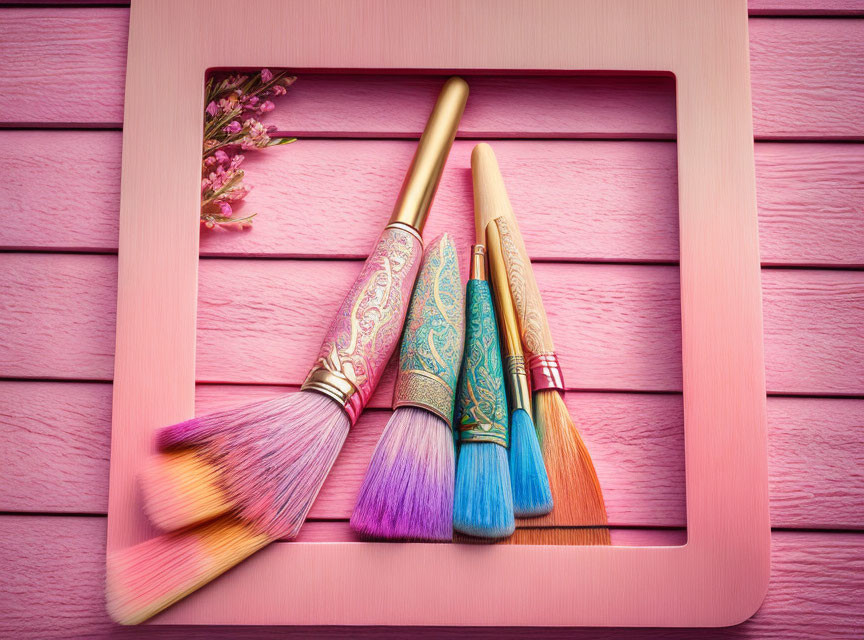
(275, 142)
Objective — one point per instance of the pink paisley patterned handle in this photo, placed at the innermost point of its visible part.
(367, 327)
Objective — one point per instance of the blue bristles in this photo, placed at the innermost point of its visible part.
(531, 493)
(484, 498)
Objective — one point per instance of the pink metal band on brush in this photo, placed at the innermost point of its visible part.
(545, 372)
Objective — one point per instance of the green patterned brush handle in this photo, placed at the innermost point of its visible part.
(482, 399)
(434, 333)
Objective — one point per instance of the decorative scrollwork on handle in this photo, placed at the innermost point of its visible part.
(366, 329)
(526, 298)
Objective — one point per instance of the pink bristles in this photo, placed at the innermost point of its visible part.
(144, 579)
(269, 459)
(407, 493)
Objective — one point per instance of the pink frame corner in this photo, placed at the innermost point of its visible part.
(720, 576)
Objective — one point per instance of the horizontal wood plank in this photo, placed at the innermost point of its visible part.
(60, 66)
(805, 7)
(755, 7)
(617, 327)
(54, 448)
(54, 568)
(600, 201)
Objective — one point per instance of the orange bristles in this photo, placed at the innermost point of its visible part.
(560, 536)
(144, 579)
(181, 489)
(572, 478)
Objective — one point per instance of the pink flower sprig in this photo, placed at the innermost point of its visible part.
(231, 128)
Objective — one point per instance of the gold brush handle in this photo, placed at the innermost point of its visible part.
(490, 196)
(424, 174)
(511, 344)
(492, 206)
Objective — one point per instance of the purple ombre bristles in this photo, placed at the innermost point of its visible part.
(408, 491)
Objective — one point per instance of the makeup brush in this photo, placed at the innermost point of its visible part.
(483, 505)
(268, 460)
(572, 478)
(407, 493)
(531, 494)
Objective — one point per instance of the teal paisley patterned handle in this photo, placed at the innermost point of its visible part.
(482, 400)
(434, 333)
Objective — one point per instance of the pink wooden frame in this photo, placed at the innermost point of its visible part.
(719, 577)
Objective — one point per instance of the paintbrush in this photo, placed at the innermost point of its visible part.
(483, 503)
(532, 496)
(407, 493)
(268, 460)
(572, 478)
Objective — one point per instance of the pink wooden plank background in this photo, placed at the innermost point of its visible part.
(617, 326)
(807, 83)
(811, 200)
(61, 74)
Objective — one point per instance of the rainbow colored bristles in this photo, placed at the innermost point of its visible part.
(265, 462)
(181, 489)
(144, 579)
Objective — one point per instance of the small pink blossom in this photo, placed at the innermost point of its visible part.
(231, 127)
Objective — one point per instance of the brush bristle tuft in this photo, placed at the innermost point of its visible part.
(146, 578)
(572, 478)
(181, 489)
(531, 493)
(267, 460)
(483, 504)
(407, 493)
(561, 536)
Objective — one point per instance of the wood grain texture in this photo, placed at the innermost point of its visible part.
(617, 327)
(54, 440)
(805, 7)
(806, 76)
(755, 7)
(55, 572)
(821, 580)
(600, 201)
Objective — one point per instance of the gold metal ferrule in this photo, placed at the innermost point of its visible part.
(331, 383)
(478, 263)
(517, 383)
(420, 184)
(511, 341)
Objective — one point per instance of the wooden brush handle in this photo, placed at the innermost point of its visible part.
(366, 329)
(492, 206)
(491, 203)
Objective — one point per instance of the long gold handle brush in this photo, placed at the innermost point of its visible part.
(575, 488)
(262, 465)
